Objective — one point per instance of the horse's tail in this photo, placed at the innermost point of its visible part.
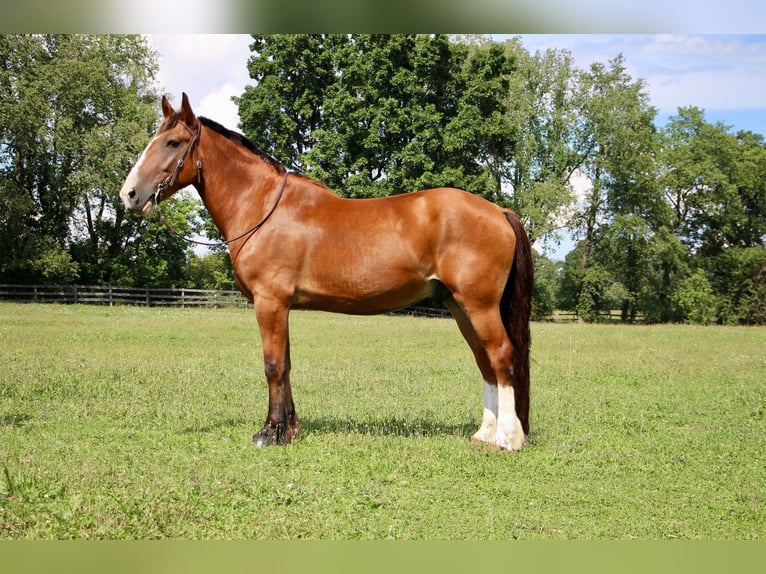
(515, 308)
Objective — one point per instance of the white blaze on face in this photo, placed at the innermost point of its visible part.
(132, 181)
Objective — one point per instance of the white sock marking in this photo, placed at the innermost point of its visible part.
(510, 435)
(486, 432)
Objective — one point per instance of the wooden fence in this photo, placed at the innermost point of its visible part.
(613, 316)
(110, 295)
(149, 297)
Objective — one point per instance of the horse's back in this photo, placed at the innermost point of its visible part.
(420, 227)
(443, 234)
(437, 208)
(376, 255)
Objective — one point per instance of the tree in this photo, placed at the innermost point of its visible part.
(384, 117)
(715, 184)
(293, 74)
(621, 208)
(619, 164)
(695, 299)
(545, 288)
(210, 271)
(152, 257)
(389, 113)
(75, 111)
(544, 113)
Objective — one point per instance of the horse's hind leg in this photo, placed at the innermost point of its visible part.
(488, 429)
(282, 423)
(484, 332)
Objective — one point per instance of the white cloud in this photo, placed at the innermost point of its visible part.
(708, 90)
(217, 105)
(711, 72)
(707, 71)
(210, 68)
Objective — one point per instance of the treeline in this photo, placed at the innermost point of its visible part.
(670, 221)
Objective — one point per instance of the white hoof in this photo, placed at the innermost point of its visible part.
(484, 435)
(510, 441)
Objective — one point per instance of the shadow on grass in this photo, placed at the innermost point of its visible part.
(391, 426)
(218, 425)
(14, 420)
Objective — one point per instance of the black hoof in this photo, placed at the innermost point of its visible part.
(279, 433)
(268, 436)
(260, 440)
(273, 434)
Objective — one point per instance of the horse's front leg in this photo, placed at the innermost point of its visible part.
(282, 423)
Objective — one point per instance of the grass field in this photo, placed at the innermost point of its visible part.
(135, 423)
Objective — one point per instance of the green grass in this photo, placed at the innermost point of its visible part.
(133, 423)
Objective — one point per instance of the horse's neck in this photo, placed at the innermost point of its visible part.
(237, 184)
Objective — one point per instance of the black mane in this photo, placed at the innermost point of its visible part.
(238, 138)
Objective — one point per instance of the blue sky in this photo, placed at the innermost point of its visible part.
(723, 74)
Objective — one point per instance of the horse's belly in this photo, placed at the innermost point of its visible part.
(368, 298)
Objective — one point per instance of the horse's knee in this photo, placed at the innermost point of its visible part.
(273, 369)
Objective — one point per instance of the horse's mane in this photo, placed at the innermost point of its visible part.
(238, 138)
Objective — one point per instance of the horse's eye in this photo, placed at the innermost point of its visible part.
(172, 143)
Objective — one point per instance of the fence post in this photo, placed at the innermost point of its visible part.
(148, 303)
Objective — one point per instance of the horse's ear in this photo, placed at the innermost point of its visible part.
(187, 115)
(167, 109)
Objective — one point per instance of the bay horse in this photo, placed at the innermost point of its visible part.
(296, 245)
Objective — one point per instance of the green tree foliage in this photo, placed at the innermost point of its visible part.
(373, 115)
(696, 299)
(715, 185)
(210, 271)
(75, 112)
(545, 288)
(153, 257)
(619, 206)
(549, 138)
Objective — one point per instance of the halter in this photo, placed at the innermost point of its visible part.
(171, 179)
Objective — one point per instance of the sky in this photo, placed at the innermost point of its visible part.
(723, 74)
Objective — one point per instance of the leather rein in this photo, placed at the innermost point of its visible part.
(171, 179)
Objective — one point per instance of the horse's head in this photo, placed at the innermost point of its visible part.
(164, 166)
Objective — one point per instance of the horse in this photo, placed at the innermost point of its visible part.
(294, 244)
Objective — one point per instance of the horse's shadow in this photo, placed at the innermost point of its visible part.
(15, 420)
(390, 426)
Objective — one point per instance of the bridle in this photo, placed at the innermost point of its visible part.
(171, 180)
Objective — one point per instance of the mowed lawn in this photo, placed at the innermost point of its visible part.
(135, 423)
